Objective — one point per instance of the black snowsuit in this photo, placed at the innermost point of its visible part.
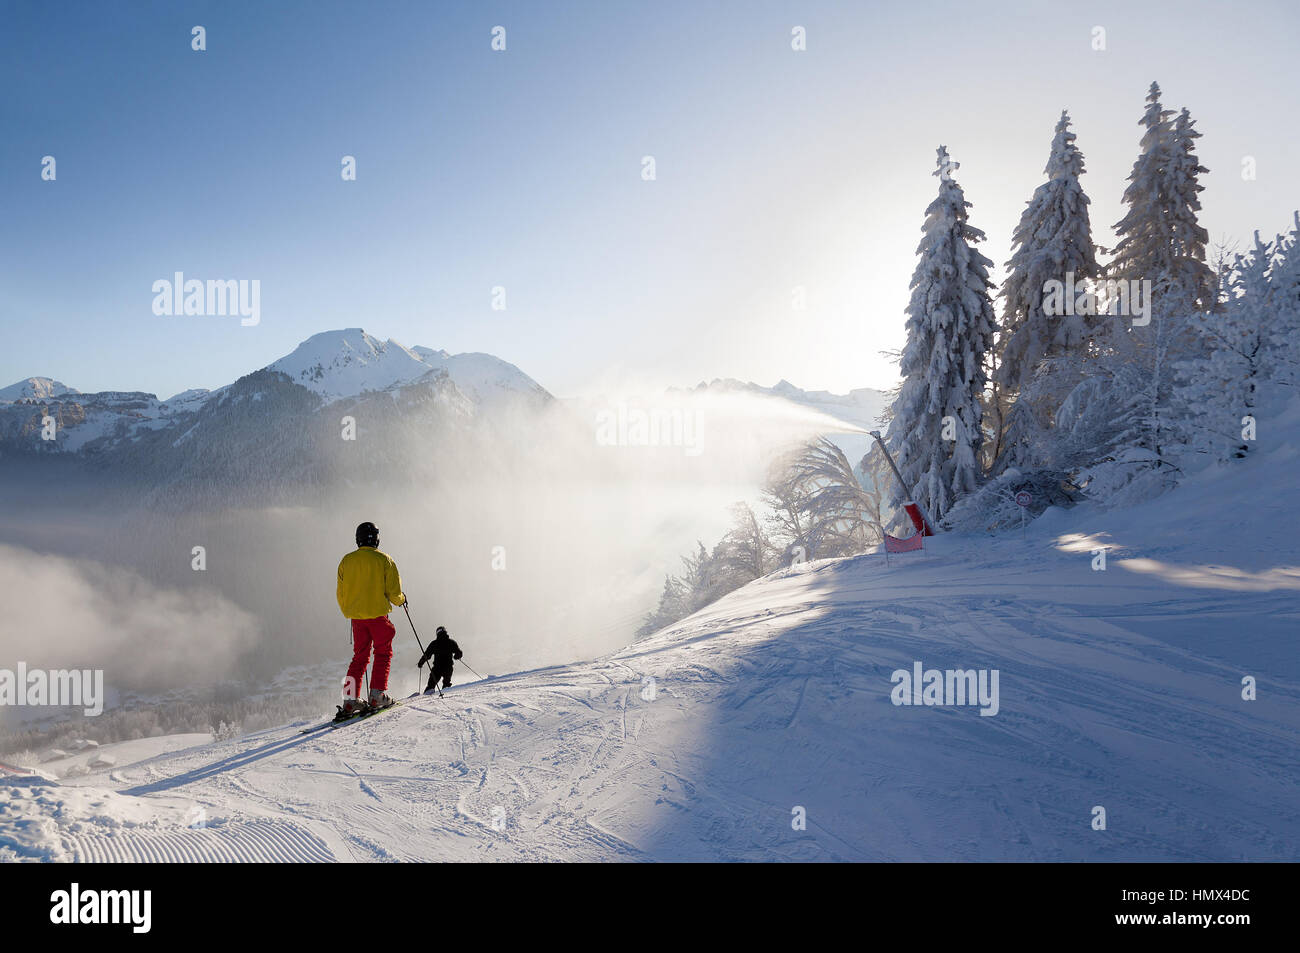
(442, 649)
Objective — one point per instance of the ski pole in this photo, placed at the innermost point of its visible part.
(417, 642)
(466, 664)
(413, 632)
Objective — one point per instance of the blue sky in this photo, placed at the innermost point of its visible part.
(522, 169)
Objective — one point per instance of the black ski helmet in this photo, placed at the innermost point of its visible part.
(441, 633)
(367, 534)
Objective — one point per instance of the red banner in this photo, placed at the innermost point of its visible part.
(910, 545)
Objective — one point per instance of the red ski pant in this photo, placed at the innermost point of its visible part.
(366, 633)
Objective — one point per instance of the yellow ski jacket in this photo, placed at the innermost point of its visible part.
(368, 583)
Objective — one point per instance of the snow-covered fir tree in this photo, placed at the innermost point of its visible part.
(1190, 276)
(1160, 239)
(1284, 280)
(1053, 240)
(1143, 242)
(1120, 424)
(1221, 388)
(936, 432)
(1251, 348)
(1052, 243)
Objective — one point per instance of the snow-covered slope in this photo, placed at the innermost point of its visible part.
(484, 378)
(187, 400)
(90, 758)
(1119, 689)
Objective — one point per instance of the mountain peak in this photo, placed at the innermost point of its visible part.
(346, 362)
(36, 388)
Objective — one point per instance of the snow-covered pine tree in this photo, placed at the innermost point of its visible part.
(1053, 239)
(1053, 242)
(1143, 245)
(674, 604)
(697, 586)
(1222, 386)
(1119, 424)
(1160, 239)
(1285, 281)
(746, 552)
(1191, 278)
(949, 330)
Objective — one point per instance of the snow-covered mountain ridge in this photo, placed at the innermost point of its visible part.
(332, 366)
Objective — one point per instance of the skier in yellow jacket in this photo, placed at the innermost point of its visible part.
(369, 585)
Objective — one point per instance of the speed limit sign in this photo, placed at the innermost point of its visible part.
(1024, 498)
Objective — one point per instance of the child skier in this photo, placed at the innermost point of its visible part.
(442, 650)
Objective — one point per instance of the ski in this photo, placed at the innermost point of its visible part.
(359, 716)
